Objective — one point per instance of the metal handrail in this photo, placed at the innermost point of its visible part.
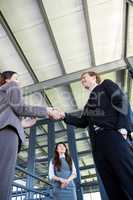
(29, 189)
(32, 175)
(23, 192)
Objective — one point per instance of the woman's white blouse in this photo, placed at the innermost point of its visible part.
(51, 173)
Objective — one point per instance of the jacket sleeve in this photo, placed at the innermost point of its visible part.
(80, 122)
(16, 102)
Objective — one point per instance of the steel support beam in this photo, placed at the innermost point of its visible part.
(120, 78)
(89, 34)
(129, 67)
(130, 2)
(75, 76)
(124, 30)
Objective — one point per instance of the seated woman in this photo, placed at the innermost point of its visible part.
(62, 171)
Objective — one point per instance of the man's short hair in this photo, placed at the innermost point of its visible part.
(91, 73)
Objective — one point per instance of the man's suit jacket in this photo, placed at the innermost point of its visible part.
(12, 107)
(118, 101)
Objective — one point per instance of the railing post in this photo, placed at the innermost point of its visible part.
(51, 140)
(73, 151)
(31, 161)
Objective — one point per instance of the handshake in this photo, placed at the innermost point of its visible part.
(55, 113)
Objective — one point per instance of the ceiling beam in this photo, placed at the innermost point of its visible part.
(75, 76)
(124, 30)
(89, 34)
(125, 46)
(130, 2)
(120, 78)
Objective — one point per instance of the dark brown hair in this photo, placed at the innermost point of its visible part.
(57, 161)
(91, 73)
(5, 75)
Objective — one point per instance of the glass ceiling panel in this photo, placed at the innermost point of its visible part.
(39, 52)
(35, 99)
(111, 75)
(68, 25)
(61, 98)
(106, 18)
(81, 95)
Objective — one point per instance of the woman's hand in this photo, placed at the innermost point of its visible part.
(64, 183)
(28, 122)
(55, 113)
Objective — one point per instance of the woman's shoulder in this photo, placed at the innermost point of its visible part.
(9, 85)
(13, 84)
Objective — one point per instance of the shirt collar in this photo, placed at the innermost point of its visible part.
(62, 156)
(92, 88)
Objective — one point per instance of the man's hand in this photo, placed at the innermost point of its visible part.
(55, 113)
(123, 131)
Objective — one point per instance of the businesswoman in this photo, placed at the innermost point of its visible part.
(62, 172)
(12, 108)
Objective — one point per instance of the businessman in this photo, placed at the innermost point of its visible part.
(105, 115)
